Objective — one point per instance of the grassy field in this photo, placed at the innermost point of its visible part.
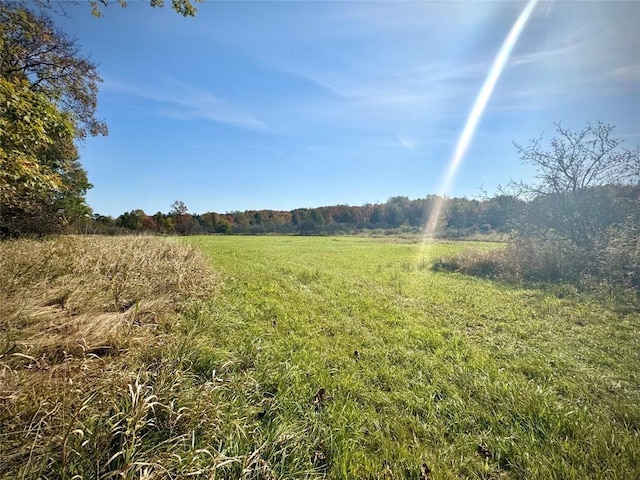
(338, 358)
(349, 358)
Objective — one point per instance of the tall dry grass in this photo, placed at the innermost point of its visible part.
(82, 292)
(79, 317)
(612, 269)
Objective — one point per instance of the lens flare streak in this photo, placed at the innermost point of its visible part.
(476, 113)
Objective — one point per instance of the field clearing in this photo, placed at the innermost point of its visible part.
(300, 358)
(348, 358)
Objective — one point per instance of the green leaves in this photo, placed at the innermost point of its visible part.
(47, 100)
(183, 7)
(33, 50)
(38, 160)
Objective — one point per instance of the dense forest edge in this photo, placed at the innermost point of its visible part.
(462, 218)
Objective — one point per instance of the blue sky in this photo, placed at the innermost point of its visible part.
(279, 105)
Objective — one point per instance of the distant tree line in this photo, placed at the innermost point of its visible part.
(462, 217)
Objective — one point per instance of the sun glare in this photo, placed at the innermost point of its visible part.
(474, 117)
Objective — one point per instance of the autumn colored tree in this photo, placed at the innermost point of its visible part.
(41, 182)
(47, 100)
(182, 217)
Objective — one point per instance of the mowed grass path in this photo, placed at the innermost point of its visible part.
(348, 358)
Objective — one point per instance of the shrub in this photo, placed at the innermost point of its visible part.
(528, 259)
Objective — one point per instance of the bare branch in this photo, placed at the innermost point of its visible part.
(33, 49)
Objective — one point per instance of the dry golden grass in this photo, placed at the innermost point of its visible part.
(82, 294)
(76, 315)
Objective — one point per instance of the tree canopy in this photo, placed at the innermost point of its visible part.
(185, 8)
(41, 180)
(578, 160)
(34, 51)
(47, 101)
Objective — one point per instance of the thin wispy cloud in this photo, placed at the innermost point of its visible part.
(628, 73)
(181, 101)
(420, 15)
(409, 91)
(544, 55)
(406, 142)
(365, 88)
(423, 81)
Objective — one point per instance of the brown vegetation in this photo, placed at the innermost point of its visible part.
(76, 316)
(615, 268)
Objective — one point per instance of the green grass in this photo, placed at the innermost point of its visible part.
(337, 358)
(468, 377)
